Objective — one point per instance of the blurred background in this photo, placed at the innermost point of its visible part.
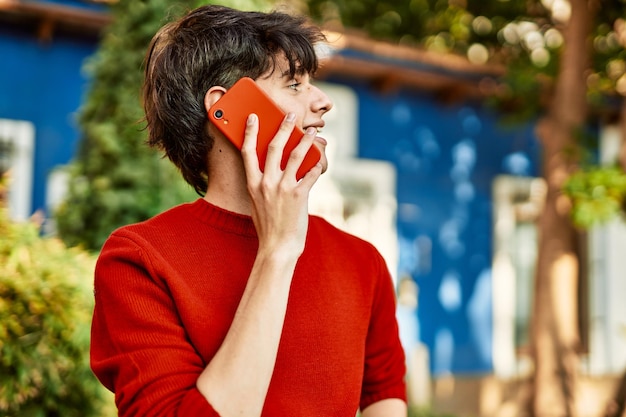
(478, 144)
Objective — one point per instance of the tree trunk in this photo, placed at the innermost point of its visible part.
(555, 337)
(621, 157)
(617, 406)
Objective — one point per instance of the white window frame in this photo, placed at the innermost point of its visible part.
(21, 134)
(607, 286)
(513, 197)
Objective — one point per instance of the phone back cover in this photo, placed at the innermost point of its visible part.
(246, 97)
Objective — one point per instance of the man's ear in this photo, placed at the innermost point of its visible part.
(212, 95)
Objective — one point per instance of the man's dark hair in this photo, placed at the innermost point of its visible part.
(213, 46)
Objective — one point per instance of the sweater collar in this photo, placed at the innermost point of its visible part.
(223, 219)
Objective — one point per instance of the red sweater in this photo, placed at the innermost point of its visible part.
(166, 292)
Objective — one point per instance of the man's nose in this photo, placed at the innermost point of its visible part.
(321, 102)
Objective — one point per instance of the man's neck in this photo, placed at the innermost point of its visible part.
(225, 197)
(227, 180)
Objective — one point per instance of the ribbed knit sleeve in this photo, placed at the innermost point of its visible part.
(385, 367)
(140, 349)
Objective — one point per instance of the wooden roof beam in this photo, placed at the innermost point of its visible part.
(48, 17)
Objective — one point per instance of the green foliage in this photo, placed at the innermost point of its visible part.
(609, 58)
(526, 37)
(45, 311)
(116, 179)
(450, 26)
(598, 194)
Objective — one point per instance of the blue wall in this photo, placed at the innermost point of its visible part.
(446, 158)
(43, 83)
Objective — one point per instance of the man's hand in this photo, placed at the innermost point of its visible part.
(279, 201)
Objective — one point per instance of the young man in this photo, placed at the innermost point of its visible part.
(241, 303)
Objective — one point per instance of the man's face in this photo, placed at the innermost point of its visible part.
(297, 95)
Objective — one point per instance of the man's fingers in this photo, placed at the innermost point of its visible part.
(277, 145)
(248, 148)
(297, 155)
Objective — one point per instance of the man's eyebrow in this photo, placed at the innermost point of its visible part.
(299, 71)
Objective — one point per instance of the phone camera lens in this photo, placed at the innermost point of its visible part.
(218, 114)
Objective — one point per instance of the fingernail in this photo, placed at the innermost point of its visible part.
(291, 117)
(251, 119)
(311, 131)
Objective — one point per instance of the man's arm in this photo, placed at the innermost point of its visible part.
(391, 407)
(236, 380)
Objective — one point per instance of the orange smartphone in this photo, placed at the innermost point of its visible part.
(230, 112)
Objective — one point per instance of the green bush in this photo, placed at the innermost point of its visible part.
(45, 311)
(598, 194)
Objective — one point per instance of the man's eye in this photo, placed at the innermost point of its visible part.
(294, 86)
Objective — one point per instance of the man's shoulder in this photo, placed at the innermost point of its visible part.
(320, 224)
(169, 219)
(335, 236)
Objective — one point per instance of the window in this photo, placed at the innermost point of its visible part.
(518, 201)
(17, 140)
